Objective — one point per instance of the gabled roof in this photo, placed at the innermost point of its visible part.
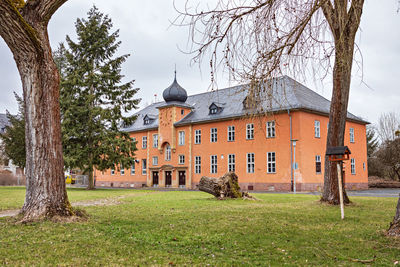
(284, 94)
(3, 122)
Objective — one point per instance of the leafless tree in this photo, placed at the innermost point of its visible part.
(388, 125)
(256, 40)
(23, 26)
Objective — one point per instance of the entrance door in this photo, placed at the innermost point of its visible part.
(168, 178)
(155, 179)
(182, 179)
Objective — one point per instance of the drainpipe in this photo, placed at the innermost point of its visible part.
(291, 151)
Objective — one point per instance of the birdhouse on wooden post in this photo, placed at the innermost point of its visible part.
(338, 154)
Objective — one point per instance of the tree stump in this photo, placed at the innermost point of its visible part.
(394, 229)
(223, 187)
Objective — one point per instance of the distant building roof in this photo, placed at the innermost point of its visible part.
(284, 94)
(3, 122)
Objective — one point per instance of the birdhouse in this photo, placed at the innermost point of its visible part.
(338, 153)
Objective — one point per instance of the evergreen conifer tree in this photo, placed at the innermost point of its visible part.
(13, 139)
(93, 98)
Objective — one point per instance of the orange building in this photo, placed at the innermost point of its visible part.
(184, 138)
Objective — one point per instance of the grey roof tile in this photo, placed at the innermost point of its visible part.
(284, 94)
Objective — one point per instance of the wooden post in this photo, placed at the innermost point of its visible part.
(340, 189)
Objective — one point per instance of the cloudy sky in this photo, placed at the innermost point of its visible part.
(146, 34)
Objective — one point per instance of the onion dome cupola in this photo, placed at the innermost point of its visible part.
(175, 92)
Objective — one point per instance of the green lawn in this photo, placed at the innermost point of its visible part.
(191, 228)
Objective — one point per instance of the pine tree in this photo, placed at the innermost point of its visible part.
(93, 98)
(13, 139)
(372, 141)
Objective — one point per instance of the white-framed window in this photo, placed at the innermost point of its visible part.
(250, 131)
(122, 170)
(155, 161)
(155, 140)
(213, 135)
(353, 165)
(144, 166)
(364, 166)
(351, 135)
(167, 153)
(133, 139)
(181, 159)
(214, 164)
(318, 164)
(144, 141)
(182, 112)
(317, 129)
(231, 133)
(133, 169)
(197, 136)
(271, 162)
(112, 171)
(231, 162)
(181, 138)
(197, 164)
(270, 129)
(250, 163)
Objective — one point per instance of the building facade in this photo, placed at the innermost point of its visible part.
(184, 138)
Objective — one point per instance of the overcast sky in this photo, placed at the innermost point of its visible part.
(153, 45)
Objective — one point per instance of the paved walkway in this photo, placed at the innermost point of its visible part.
(373, 192)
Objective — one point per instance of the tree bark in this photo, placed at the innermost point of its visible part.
(394, 229)
(25, 32)
(91, 185)
(337, 122)
(223, 187)
(344, 23)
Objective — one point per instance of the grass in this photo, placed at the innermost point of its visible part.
(192, 228)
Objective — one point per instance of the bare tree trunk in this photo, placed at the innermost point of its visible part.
(46, 194)
(91, 185)
(394, 229)
(24, 29)
(223, 187)
(337, 121)
(343, 22)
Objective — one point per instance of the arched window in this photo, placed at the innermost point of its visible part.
(167, 153)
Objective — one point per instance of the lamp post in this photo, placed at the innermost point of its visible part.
(294, 166)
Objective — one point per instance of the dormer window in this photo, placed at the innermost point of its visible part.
(215, 109)
(148, 119)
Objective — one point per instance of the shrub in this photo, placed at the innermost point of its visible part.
(7, 178)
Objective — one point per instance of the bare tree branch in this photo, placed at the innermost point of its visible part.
(45, 8)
